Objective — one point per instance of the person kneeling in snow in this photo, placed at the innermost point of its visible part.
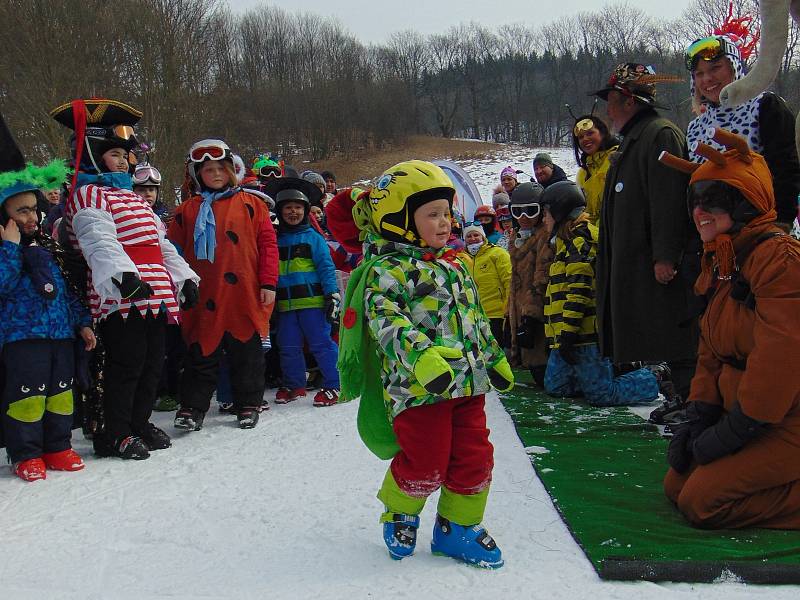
(575, 366)
(39, 317)
(419, 351)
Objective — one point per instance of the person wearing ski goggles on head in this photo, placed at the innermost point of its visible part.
(593, 146)
(137, 279)
(226, 234)
(531, 256)
(766, 122)
(147, 183)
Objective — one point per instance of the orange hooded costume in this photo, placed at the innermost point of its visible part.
(748, 362)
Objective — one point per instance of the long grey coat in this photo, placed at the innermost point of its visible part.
(643, 220)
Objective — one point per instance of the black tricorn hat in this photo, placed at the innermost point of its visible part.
(281, 189)
(100, 112)
(11, 157)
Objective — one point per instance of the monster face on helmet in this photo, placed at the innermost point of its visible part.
(400, 191)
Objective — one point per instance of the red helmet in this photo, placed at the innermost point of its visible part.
(484, 209)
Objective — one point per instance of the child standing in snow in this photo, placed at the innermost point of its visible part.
(39, 318)
(308, 295)
(419, 351)
(226, 235)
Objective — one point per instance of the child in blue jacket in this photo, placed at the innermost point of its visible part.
(308, 295)
(39, 317)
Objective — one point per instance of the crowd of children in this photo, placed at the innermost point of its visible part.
(116, 297)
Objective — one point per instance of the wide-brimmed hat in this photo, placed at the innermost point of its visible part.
(636, 81)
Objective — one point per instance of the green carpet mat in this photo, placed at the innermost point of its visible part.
(603, 468)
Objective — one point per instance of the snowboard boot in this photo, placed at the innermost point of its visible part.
(154, 437)
(66, 460)
(314, 379)
(326, 397)
(285, 395)
(537, 373)
(400, 533)
(129, 447)
(227, 408)
(470, 544)
(248, 417)
(32, 469)
(189, 419)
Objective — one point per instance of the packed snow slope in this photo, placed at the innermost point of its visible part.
(286, 510)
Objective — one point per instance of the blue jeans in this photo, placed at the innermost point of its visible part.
(309, 324)
(593, 376)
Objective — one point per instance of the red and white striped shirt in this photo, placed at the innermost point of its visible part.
(136, 227)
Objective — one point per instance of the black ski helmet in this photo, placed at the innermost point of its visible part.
(563, 199)
(526, 199)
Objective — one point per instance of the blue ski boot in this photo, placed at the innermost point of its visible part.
(400, 534)
(472, 545)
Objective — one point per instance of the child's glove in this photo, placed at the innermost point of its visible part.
(500, 376)
(432, 371)
(190, 294)
(332, 303)
(133, 288)
(566, 347)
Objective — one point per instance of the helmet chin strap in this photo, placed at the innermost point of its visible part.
(91, 155)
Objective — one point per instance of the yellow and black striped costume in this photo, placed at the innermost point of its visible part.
(569, 302)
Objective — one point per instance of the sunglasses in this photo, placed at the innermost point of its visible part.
(208, 152)
(707, 49)
(531, 211)
(715, 197)
(143, 175)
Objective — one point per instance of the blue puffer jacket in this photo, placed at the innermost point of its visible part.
(306, 272)
(24, 313)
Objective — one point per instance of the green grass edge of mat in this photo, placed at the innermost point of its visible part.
(652, 541)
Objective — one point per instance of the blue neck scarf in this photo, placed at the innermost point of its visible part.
(116, 180)
(205, 228)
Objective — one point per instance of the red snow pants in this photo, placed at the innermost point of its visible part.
(446, 443)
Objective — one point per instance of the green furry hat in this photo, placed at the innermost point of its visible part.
(32, 178)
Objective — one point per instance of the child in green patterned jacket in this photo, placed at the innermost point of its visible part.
(418, 349)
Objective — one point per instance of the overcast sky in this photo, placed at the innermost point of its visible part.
(373, 21)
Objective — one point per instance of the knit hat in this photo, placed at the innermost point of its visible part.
(473, 227)
(500, 199)
(543, 158)
(314, 178)
(508, 171)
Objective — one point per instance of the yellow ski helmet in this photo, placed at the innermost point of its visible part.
(400, 191)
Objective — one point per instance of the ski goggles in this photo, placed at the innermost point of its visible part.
(122, 132)
(209, 150)
(582, 126)
(715, 197)
(146, 175)
(532, 210)
(708, 49)
(269, 171)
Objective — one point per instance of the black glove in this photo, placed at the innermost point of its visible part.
(698, 416)
(566, 347)
(133, 288)
(332, 303)
(526, 332)
(730, 433)
(190, 294)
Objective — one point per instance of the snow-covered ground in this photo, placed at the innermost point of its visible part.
(287, 510)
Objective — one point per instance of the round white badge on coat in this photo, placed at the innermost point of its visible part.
(618, 187)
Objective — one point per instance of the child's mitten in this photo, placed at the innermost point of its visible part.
(432, 371)
(500, 375)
